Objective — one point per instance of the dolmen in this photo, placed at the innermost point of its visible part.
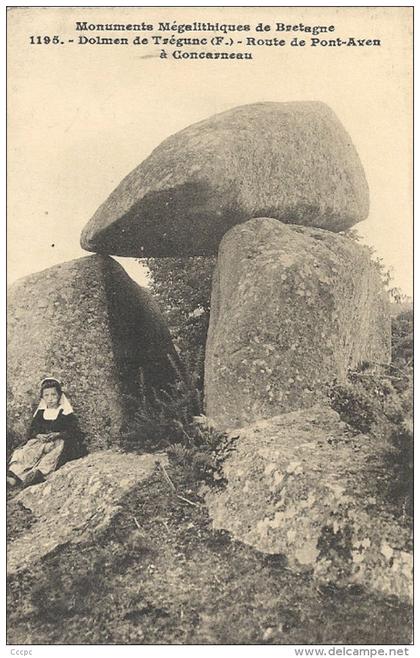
(269, 188)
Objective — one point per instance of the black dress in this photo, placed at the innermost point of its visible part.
(68, 427)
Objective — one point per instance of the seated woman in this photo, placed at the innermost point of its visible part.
(54, 438)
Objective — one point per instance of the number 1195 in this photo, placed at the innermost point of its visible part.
(44, 40)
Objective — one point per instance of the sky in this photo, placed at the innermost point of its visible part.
(82, 117)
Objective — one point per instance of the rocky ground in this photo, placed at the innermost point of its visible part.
(159, 574)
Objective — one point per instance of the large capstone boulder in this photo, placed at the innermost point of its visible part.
(77, 503)
(88, 324)
(302, 486)
(291, 161)
(291, 309)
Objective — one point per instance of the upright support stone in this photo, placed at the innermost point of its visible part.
(87, 323)
(292, 307)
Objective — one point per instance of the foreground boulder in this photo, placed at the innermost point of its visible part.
(291, 161)
(77, 503)
(88, 324)
(300, 485)
(291, 308)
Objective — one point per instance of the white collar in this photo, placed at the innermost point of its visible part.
(51, 414)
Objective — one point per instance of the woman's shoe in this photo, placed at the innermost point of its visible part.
(36, 477)
(12, 480)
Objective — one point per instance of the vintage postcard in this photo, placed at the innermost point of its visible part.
(210, 327)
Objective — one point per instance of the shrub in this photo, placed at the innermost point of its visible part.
(379, 399)
(401, 464)
(368, 400)
(159, 417)
(202, 451)
(182, 286)
(172, 420)
(378, 394)
(402, 339)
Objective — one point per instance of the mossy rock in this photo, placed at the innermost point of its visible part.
(300, 485)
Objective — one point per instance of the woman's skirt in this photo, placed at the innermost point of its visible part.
(37, 455)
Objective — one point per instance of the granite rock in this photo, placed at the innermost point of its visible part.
(88, 324)
(302, 486)
(291, 309)
(77, 503)
(291, 161)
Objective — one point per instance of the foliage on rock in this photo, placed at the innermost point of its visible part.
(202, 453)
(402, 339)
(160, 417)
(182, 286)
(378, 398)
(368, 400)
(396, 295)
(172, 420)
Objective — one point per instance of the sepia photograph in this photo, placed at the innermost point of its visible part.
(210, 328)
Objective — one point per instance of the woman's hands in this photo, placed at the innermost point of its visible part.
(50, 436)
